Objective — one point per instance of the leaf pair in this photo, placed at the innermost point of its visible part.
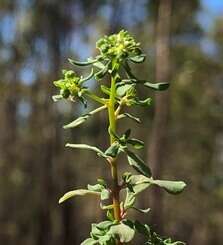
(138, 183)
(172, 187)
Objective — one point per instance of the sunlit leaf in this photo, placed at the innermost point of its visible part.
(123, 232)
(89, 241)
(80, 192)
(105, 194)
(87, 147)
(113, 150)
(173, 187)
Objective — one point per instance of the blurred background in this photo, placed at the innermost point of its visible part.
(183, 129)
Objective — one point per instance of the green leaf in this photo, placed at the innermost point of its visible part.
(105, 225)
(99, 65)
(136, 119)
(83, 118)
(77, 121)
(137, 144)
(141, 228)
(145, 102)
(135, 185)
(136, 101)
(85, 63)
(113, 150)
(89, 241)
(123, 89)
(96, 232)
(110, 215)
(139, 183)
(101, 182)
(105, 194)
(138, 164)
(138, 59)
(105, 89)
(87, 147)
(80, 192)
(124, 232)
(105, 240)
(173, 187)
(88, 77)
(102, 72)
(96, 187)
(156, 86)
(57, 97)
(130, 199)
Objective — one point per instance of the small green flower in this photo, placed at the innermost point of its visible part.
(120, 46)
(70, 85)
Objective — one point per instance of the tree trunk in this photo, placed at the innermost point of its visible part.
(157, 147)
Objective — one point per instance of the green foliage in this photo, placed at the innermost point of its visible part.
(115, 54)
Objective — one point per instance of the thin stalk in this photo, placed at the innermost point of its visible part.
(114, 170)
(96, 98)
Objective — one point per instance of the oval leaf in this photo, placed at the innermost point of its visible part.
(173, 187)
(124, 232)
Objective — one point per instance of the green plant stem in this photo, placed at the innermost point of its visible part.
(114, 170)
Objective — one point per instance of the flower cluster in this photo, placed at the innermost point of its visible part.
(69, 85)
(120, 46)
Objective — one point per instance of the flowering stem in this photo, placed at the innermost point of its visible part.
(114, 170)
